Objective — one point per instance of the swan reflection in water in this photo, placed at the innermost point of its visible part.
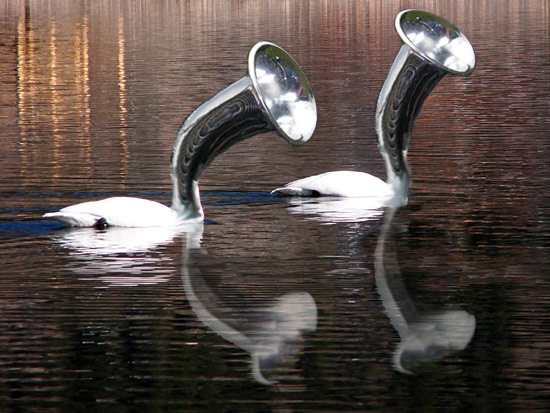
(425, 336)
(332, 210)
(424, 58)
(269, 328)
(122, 256)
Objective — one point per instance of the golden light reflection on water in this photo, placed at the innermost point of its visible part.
(63, 101)
(86, 75)
(53, 94)
(122, 96)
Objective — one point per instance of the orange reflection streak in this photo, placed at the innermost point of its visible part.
(24, 55)
(53, 94)
(82, 63)
(122, 102)
(55, 103)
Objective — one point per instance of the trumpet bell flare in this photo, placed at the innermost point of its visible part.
(284, 92)
(437, 40)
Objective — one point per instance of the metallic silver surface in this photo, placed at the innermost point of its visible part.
(432, 47)
(275, 95)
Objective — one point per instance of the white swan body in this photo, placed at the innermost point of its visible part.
(275, 96)
(347, 184)
(121, 212)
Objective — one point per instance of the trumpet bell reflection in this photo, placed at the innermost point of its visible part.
(268, 327)
(433, 336)
(425, 336)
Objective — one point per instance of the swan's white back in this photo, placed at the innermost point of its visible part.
(118, 211)
(349, 184)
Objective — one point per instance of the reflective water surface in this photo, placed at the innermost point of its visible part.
(274, 303)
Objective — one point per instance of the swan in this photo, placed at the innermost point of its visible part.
(432, 47)
(274, 96)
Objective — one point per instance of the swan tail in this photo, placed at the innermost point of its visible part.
(292, 191)
(73, 219)
(347, 184)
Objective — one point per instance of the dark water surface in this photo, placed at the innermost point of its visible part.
(273, 304)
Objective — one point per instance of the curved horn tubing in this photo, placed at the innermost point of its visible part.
(274, 96)
(416, 70)
(228, 118)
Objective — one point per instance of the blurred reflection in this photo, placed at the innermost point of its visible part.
(424, 336)
(333, 209)
(53, 93)
(270, 329)
(123, 112)
(124, 256)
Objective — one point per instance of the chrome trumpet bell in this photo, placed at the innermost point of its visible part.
(284, 92)
(436, 40)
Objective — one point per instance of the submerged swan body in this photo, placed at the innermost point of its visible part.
(348, 184)
(432, 48)
(122, 212)
(275, 96)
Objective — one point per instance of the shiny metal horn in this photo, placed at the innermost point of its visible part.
(275, 95)
(432, 47)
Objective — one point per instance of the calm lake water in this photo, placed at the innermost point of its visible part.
(273, 304)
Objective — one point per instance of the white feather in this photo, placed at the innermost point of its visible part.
(350, 184)
(120, 212)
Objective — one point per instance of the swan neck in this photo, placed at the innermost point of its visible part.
(389, 281)
(410, 80)
(229, 117)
